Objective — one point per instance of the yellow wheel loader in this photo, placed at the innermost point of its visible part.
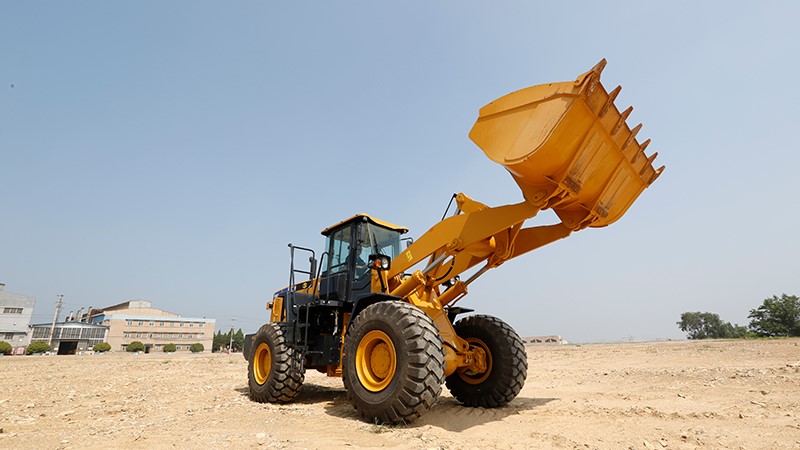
(390, 331)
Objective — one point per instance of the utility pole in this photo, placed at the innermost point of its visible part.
(230, 346)
(59, 297)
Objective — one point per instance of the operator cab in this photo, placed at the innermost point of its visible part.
(350, 247)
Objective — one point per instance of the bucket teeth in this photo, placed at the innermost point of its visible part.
(598, 68)
(634, 132)
(622, 118)
(656, 175)
(649, 163)
(611, 97)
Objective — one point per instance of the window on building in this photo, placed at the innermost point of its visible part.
(138, 335)
(141, 322)
(150, 336)
(191, 324)
(130, 322)
(161, 324)
(200, 324)
(180, 336)
(152, 323)
(41, 332)
(12, 310)
(9, 336)
(70, 333)
(181, 323)
(172, 324)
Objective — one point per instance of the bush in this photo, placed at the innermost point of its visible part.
(169, 348)
(101, 347)
(135, 346)
(37, 347)
(5, 348)
(197, 348)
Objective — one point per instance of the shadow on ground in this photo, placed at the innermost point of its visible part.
(447, 414)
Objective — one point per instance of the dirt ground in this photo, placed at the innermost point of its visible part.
(673, 395)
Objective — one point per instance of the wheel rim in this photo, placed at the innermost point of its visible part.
(262, 363)
(376, 361)
(477, 377)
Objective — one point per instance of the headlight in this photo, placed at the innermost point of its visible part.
(380, 262)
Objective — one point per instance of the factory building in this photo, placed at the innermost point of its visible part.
(69, 338)
(137, 320)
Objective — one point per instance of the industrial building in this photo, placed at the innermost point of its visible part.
(137, 320)
(15, 317)
(69, 338)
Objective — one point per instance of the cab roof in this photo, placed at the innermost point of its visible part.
(361, 217)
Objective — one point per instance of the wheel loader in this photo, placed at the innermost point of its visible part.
(383, 315)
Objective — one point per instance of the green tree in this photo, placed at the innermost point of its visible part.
(776, 316)
(220, 341)
(197, 348)
(101, 347)
(135, 346)
(169, 348)
(37, 347)
(706, 325)
(5, 348)
(238, 341)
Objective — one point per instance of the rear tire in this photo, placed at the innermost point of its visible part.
(273, 374)
(507, 363)
(393, 366)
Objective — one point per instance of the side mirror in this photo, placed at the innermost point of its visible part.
(380, 262)
(313, 267)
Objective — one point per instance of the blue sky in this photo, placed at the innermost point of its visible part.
(170, 151)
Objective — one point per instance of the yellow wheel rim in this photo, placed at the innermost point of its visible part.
(262, 363)
(477, 377)
(376, 361)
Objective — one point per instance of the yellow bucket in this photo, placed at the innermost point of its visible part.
(568, 148)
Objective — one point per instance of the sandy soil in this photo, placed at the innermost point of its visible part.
(673, 395)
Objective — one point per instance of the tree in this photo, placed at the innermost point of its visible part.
(37, 347)
(238, 341)
(197, 348)
(169, 348)
(706, 325)
(220, 341)
(101, 347)
(777, 316)
(5, 348)
(135, 346)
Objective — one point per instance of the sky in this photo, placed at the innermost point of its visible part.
(170, 151)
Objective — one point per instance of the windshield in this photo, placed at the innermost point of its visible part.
(373, 239)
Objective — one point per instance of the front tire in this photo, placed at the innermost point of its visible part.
(273, 374)
(393, 366)
(506, 363)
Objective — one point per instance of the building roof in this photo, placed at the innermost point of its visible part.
(68, 325)
(102, 316)
(130, 304)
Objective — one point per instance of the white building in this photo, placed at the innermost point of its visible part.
(15, 316)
